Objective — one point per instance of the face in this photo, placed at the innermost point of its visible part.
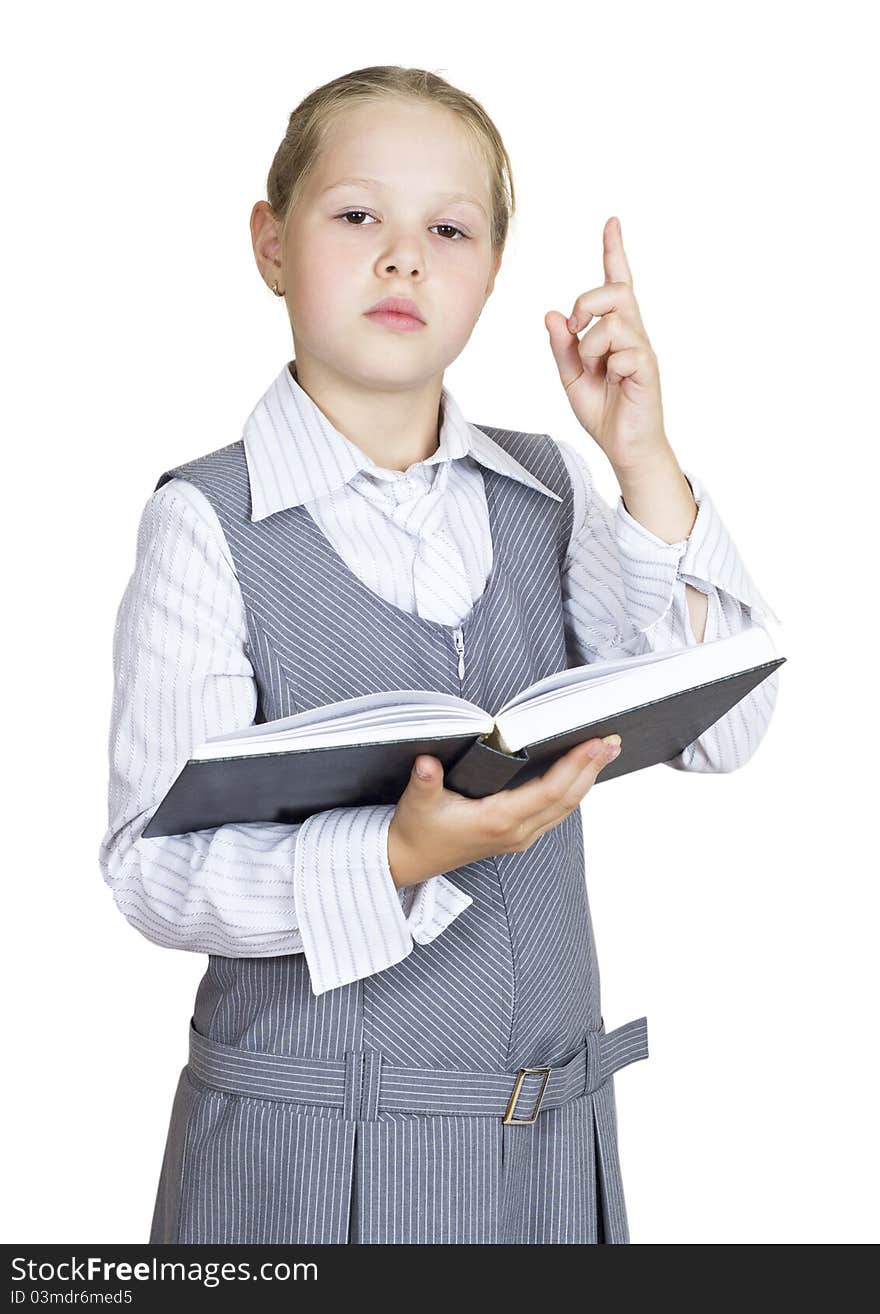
(419, 228)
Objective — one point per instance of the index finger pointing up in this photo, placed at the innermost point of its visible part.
(617, 268)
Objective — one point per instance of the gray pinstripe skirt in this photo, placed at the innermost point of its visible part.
(267, 1148)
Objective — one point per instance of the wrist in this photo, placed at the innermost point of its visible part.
(659, 496)
(402, 863)
(646, 470)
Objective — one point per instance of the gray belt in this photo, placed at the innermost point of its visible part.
(363, 1084)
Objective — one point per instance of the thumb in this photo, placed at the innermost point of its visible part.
(564, 345)
(427, 772)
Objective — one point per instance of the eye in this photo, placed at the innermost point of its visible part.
(451, 227)
(349, 212)
(454, 230)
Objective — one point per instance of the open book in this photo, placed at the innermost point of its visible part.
(361, 750)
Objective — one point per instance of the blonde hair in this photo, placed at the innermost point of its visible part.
(307, 127)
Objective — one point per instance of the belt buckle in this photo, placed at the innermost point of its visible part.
(523, 1073)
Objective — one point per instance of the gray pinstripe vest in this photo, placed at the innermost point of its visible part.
(524, 947)
(512, 982)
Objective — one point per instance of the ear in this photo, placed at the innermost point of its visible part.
(266, 241)
(496, 265)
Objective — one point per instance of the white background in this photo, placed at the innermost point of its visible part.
(738, 911)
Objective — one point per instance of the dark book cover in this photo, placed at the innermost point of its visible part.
(290, 786)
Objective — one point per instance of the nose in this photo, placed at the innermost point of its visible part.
(406, 247)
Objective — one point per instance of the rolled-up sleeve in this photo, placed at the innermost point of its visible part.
(182, 675)
(354, 920)
(624, 592)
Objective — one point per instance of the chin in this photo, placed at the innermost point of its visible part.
(390, 362)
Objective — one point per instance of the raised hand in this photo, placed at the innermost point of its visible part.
(610, 375)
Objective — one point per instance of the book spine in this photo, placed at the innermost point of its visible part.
(483, 770)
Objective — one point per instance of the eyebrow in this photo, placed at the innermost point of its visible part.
(374, 182)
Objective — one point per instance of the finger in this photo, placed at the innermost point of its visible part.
(617, 268)
(634, 363)
(601, 300)
(564, 345)
(610, 333)
(535, 796)
(582, 783)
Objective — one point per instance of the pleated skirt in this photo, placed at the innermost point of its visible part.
(239, 1169)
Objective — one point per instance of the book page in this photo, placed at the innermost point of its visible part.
(583, 694)
(371, 718)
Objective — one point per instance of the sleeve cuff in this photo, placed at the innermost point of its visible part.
(711, 558)
(352, 918)
(650, 567)
(434, 904)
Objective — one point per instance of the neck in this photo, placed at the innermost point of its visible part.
(396, 427)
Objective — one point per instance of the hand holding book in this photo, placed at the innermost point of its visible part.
(435, 829)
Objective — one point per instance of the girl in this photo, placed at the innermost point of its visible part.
(398, 1038)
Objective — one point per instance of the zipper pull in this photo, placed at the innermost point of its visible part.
(459, 648)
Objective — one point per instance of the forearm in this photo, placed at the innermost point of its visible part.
(660, 498)
(626, 591)
(698, 610)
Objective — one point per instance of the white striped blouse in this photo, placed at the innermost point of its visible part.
(182, 675)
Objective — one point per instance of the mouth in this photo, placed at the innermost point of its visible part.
(396, 312)
(394, 320)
